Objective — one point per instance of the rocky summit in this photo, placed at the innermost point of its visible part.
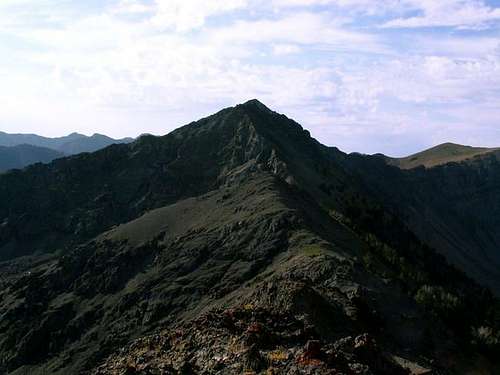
(238, 244)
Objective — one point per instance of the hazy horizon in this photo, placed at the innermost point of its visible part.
(369, 76)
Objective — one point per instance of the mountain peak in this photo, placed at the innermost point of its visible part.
(74, 135)
(98, 135)
(255, 103)
(454, 147)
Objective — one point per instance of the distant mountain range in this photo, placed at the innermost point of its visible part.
(21, 150)
(238, 244)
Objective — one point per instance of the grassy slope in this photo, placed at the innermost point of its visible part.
(441, 154)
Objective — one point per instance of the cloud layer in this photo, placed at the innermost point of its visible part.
(363, 75)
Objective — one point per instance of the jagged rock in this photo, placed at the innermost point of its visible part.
(312, 350)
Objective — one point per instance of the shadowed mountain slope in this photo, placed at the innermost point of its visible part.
(439, 155)
(17, 157)
(453, 208)
(78, 197)
(234, 244)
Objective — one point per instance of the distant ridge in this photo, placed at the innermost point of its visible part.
(20, 156)
(439, 155)
(90, 144)
(20, 150)
(71, 144)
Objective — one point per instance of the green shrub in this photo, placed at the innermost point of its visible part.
(313, 250)
(437, 300)
(485, 336)
(487, 340)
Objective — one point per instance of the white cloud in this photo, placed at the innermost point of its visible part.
(464, 47)
(431, 81)
(401, 13)
(303, 28)
(285, 49)
(186, 15)
(132, 7)
(451, 13)
(365, 6)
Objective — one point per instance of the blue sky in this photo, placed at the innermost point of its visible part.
(391, 76)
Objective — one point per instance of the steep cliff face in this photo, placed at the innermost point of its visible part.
(454, 208)
(236, 243)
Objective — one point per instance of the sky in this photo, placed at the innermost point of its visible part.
(391, 76)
